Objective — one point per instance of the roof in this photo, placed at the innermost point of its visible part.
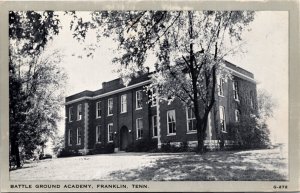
(116, 85)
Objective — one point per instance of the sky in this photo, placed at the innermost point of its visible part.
(266, 57)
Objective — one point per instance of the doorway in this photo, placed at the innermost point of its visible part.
(124, 138)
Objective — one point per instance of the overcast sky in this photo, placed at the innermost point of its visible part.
(266, 58)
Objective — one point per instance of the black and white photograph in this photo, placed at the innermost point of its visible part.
(149, 95)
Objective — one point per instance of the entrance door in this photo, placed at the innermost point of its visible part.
(124, 138)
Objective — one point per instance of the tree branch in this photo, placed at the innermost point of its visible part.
(151, 44)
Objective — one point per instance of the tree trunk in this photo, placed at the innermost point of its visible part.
(201, 132)
(15, 152)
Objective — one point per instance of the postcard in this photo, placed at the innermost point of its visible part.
(149, 96)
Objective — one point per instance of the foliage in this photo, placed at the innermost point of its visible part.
(142, 145)
(35, 81)
(189, 47)
(266, 104)
(45, 156)
(68, 153)
(58, 143)
(168, 147)
(250, 132)
(103, 148)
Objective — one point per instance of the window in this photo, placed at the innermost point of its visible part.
(154, 125)
(70, 114)
(221, 86)
(70, 137)
(237, 116)
(222, 119)
(171, 122)
(191, 119)
(110, 107)
(110, 132)
(153, 97)
(138, 102)
(98, 134)
(251, 100)
(79, 112)
(124, 103)
(98, 109)
(139, 128)
(78, 136)
(235, 90)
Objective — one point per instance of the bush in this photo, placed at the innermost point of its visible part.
(143, 145)
(250, 133)
(45, 156)
(68, 153)
(167, 147)
(103, 148)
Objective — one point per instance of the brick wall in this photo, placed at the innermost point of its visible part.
(128, 119)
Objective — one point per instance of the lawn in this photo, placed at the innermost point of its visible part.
(268, 164)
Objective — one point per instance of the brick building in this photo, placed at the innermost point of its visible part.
(122, 115)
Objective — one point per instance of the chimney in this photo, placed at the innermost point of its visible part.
(103, 84)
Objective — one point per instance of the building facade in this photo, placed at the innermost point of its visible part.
(123, 115)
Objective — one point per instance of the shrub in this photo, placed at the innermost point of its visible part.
(68, 153)
(45, 156)
(251, 132)
(143, 145)
(103, 148)
(167, 147)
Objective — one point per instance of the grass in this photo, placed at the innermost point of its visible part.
(255, 165)
(252, 165)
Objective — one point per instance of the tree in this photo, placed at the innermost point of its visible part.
(266, 104)
(58, 144)
(35, 81)
(253, 131)
(189, 46)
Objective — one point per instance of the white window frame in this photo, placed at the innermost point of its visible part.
(98, 109)
(153, 97)
(110, 106)
(110, 132)
(237, 114)
(79, 112)
(70, 114)
(124, 103)
(221, 86)
(222, 118)
(235, 90)
(98, 134)
(174, 129)
(69, 137)
(139, 128)
(78, 136)
(154, 125)
(188, 119)
(138, 98)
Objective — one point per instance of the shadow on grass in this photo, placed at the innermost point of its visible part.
(212, 166)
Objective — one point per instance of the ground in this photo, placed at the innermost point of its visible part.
(267, 164)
